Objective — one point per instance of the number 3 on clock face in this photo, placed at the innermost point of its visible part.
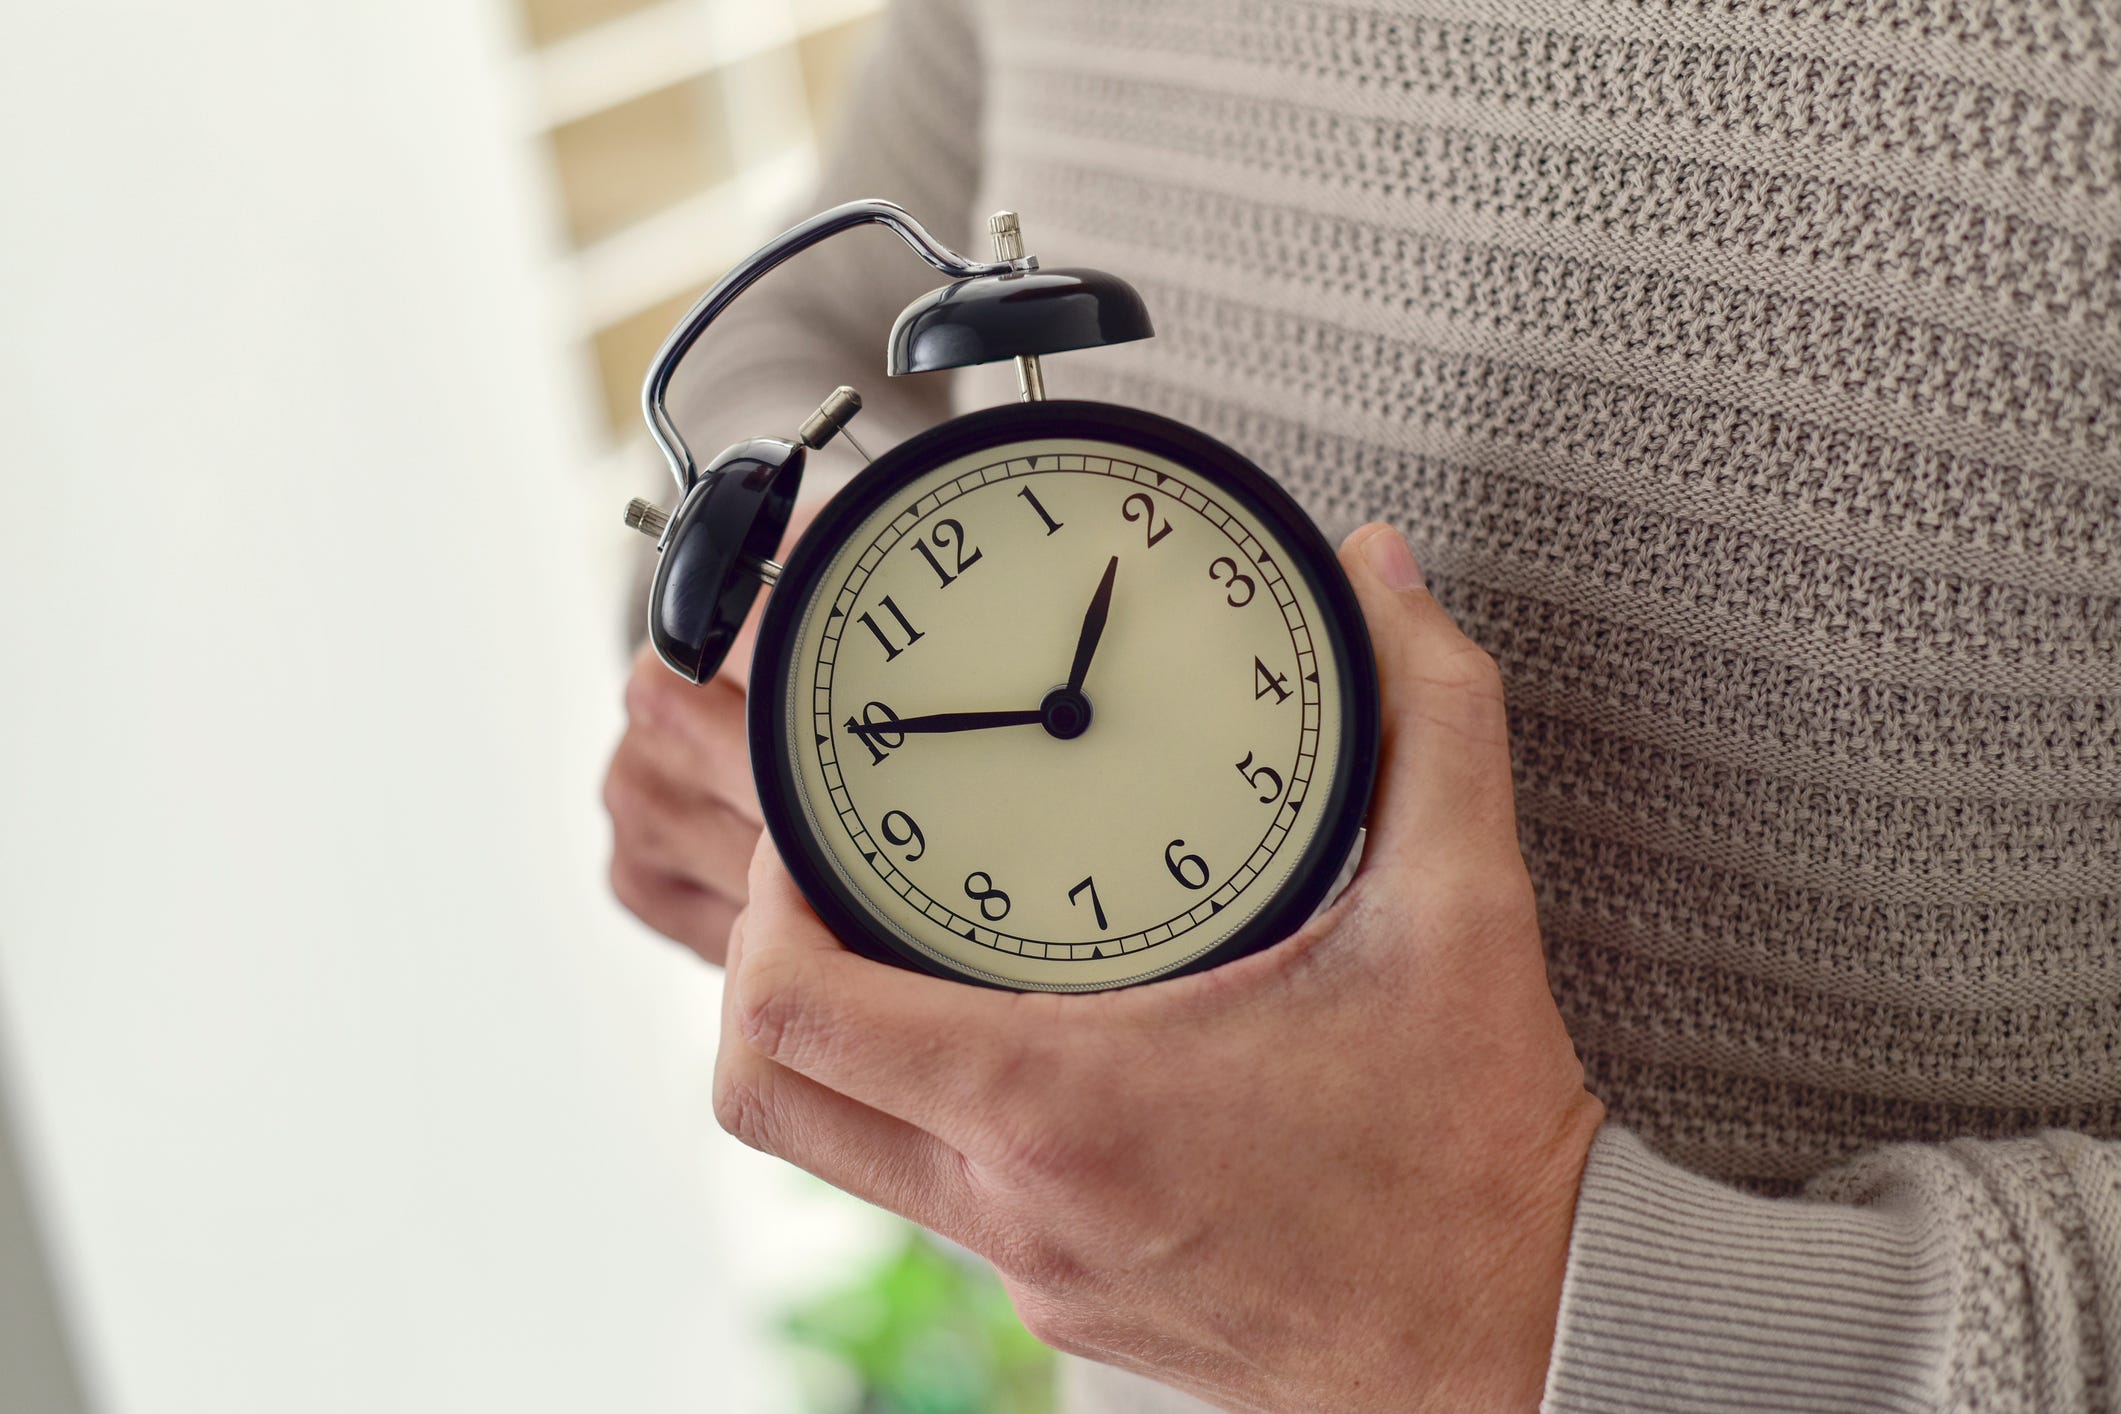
(1063, 696)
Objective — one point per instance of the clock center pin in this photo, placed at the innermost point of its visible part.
(1064, 713)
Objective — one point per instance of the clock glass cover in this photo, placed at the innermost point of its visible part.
(1063, 697)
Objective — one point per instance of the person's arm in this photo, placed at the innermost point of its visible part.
(910, 134)
(1965, 1275)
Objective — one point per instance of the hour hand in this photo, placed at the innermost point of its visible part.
(946, 722)
(1093, 627)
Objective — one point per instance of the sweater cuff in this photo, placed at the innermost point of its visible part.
(1685, 1294)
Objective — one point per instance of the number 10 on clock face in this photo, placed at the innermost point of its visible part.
(1061, 713)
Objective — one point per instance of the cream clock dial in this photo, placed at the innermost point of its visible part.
(1063, 697)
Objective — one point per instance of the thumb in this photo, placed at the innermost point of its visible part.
(1443, 781)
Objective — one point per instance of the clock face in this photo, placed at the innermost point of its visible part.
(1064, 712)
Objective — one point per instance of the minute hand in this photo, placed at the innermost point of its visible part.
(1093, 627)
(947, 722)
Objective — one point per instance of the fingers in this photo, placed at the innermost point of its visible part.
(684, 812)
(942, 1055)
(666, 824)
(695, 731)
(683, 803)
(677, 908)
(872, 1155)
(865, 1152)
(1444, 782)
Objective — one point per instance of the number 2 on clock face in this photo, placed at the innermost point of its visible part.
(1014, 844)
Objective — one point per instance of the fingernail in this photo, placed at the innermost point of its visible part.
(1391, 560)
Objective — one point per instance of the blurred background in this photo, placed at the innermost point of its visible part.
(331, 1078)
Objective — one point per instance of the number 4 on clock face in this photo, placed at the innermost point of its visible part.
(1266, 680)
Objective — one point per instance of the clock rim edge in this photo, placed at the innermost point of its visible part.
(1347, 803)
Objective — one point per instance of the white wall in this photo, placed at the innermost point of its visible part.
(344, 1086)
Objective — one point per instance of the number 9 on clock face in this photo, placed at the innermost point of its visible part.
(1063, 696)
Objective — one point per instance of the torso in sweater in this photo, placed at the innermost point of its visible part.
(1746, 375)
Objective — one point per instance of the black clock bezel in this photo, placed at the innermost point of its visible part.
(773, 659)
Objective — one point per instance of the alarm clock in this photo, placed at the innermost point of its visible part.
(1056, 695)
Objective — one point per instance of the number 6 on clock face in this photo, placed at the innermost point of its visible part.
(1063, 696)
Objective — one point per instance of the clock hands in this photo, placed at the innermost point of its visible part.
(1093, 627)
(947, 722)
(1065, 712)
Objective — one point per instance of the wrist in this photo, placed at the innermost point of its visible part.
(1514, 1300)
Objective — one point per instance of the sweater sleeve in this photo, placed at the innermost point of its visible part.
(909, 133)
(1968, 1275)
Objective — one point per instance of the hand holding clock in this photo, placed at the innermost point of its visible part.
(1339, 1173)
(684, 807)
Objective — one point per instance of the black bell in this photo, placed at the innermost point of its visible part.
(1025, 313)
(725, 529)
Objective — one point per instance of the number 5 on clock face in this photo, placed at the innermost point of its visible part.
(1064, 712)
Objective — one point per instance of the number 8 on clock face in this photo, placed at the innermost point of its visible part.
(1063, 696)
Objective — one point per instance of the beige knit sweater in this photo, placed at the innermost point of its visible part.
(1748, 376)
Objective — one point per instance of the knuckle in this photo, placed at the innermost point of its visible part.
(1472, 671)
(627, 885)
(1043, 1273)
(1051, 1323)
(1463, 695)
(640, 835)
(627, 796)
(773, 1010)
(740, 1108)
(619, 790)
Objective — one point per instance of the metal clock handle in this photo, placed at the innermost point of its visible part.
(798, 238)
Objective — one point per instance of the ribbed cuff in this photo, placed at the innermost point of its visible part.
(1683, 1294)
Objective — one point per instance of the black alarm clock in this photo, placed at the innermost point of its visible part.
(1056, 695)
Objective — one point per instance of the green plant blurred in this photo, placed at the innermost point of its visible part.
(929, 1331)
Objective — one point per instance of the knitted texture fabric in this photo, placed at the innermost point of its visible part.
(1747, 374)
